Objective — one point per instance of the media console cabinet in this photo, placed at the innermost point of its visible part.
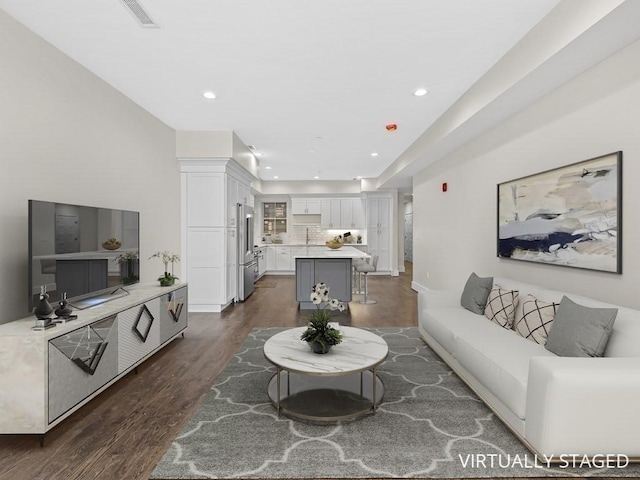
(47, 375)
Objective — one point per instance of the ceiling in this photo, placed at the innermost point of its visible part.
(310, 83)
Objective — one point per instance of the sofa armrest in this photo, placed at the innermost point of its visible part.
(438, 299)
(585, 406)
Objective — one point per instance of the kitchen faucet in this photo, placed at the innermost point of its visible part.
(307, 239)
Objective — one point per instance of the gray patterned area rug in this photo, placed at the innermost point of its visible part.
(429, 425)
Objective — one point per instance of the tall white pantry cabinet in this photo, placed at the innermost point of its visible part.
(211, 189)
(379, 231)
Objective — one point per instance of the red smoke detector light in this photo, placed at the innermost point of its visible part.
(391, 127)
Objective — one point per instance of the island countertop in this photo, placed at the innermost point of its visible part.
(344, 252)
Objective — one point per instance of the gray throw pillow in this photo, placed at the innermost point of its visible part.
(580, 331)
(475, 293)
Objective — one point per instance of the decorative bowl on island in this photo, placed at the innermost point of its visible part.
(334, 245)
(111, 244)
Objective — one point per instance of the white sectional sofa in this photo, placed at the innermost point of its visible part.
(555, 405)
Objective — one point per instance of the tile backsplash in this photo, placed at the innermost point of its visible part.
(316, 235)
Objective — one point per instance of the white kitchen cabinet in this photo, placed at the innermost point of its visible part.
(244, 194)
(270, 256)
(212, 189)
(204, 202)
(306, 207)
(352, 213)
(331, 213)
(237, 192)
(232, 264)
(379, 231)
(232, 201)
(283, 258)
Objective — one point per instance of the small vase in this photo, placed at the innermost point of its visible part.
(167, 282)
(317, 347)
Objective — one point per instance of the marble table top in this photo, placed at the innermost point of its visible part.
(343, 252)
(360, 350)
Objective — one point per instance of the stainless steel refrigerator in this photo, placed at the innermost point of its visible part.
(246, 255)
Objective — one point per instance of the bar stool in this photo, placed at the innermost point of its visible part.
(366, 268)
(356, 283)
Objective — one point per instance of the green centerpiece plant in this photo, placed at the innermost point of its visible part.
(128, 262)
(167, 279)
(320, 334)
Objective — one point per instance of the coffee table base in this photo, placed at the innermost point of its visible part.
(325, 399)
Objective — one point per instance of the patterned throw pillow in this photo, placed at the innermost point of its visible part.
(537, 319)
(501, 306)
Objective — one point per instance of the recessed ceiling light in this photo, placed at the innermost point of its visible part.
(374, 154)
(316, 177)
(276, 177)
(421, 92)
(209, 95)
(268, 168)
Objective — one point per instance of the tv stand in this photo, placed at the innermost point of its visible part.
(48, 375)
(88, 301)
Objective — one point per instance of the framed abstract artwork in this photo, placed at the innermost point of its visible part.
(570, 216)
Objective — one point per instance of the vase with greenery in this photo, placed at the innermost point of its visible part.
(167, 279)
(320, 334)
(128, 262)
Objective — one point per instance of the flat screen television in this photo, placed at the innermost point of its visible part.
(89, 253)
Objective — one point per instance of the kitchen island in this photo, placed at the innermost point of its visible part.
(331, 267)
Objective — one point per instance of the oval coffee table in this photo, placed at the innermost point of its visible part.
(339, 385)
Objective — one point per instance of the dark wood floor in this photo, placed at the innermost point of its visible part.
(124, 432)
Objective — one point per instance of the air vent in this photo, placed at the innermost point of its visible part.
(140, 14)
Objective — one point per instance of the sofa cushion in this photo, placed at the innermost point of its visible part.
(580, 331)
(537, 319)
(499, 360)
(501, 306)
(475, 293)
(445, 324)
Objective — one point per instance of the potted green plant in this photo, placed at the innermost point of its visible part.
(167, 279)
(320, 334)
(128, 262)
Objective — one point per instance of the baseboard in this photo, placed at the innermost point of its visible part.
(418, 287)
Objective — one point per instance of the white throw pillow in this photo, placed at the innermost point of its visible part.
(537, 319)
(501, 306)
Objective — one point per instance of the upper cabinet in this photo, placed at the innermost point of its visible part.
(306, 207)
(244, 194)
(238, 191)
(331, 213)
(205, 205)
(343, 213)
(352, 213)
(274, 218)
(379, 231)
(379, 213)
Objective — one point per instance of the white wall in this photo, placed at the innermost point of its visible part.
(67, 136)
(455, 232)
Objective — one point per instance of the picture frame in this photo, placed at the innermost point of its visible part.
(569, 216)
